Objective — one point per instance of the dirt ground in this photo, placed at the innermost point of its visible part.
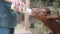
(37, 30)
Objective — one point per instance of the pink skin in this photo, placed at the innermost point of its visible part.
(9, 1)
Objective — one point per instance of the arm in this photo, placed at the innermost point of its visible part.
(10, 1)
